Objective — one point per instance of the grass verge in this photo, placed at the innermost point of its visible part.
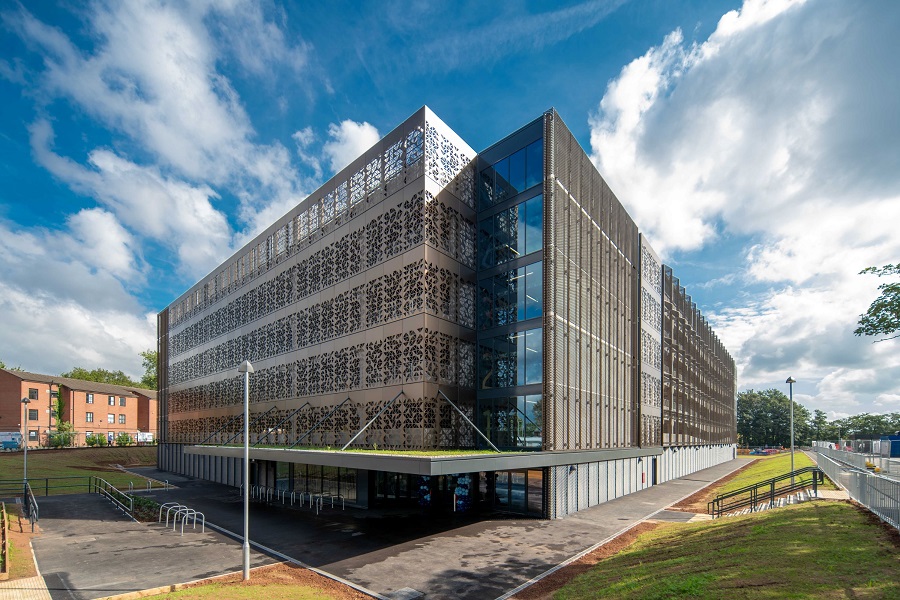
(810, 550)
(78, 462)
(767, 468)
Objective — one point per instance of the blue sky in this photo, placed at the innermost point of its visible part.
(755, 143)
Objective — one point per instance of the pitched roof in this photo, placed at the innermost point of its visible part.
(82, 385)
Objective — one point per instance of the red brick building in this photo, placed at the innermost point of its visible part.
(91, 407)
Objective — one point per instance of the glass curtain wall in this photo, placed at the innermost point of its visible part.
(510, 298)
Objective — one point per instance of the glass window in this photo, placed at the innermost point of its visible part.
(121, 419)
(348, 484)
(486, 188)
(511, 359)
(517, 172)
(89, 417)
(32, 414)
(534, 354)
(511, 233)
(112, 400)
(511, 296)
(110, 418)
(533, 224)
(486, 243)
(32, 394)
(89, 398)
(32, 434)
(535, 492)
(501, 181)
(534, 290)
(121, 401)
(534, 164)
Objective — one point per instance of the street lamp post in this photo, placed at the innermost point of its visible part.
(791, 381)
(25, 402)
(246, 368)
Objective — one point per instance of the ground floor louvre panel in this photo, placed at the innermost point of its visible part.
(535, 484)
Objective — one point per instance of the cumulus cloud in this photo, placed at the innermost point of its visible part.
(348, 140)
(170, 211)
(175, 139)
(777, 130)
(54, 333)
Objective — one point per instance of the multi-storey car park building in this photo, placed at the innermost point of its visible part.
(431, 298)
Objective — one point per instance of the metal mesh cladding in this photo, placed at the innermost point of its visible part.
(591, 303)
(338, 298)
(699, 382)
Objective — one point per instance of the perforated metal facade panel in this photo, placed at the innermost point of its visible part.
(365, 290)
(591, 303)
(699, 383)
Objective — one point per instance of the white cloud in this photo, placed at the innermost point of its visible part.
(101, 241)
(173, 212)
(348, 140)
(778, 128)
(152, 76)
(54, 334)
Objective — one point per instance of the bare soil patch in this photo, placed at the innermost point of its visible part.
(287, 573)
(544, 589)
(21, 557)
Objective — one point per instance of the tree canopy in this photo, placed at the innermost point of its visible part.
(883, 316)
(101, 376)
(763, 419)
(149, 380)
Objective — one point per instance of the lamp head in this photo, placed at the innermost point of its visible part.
(245, 367)
(25, 401)
(791, 380)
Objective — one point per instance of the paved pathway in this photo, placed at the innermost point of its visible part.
(443, 559)
(88, 550)
(28, 588)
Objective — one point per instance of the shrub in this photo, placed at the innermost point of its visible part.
(123, 439)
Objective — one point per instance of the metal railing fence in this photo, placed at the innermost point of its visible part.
(766, 492)
(880, 495)
(859, 459)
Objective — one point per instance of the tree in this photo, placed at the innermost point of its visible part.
(764, 419)
(883, 316)
(149, 380)
(64, 436)
(101, 376)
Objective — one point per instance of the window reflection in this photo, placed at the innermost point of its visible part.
(511, 233)
(512, 175)
(511, 296)
(511, 359)
(512, 422)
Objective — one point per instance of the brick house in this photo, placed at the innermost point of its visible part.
(91, 407)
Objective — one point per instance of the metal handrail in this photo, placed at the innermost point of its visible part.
(105, 488)
(756, 494)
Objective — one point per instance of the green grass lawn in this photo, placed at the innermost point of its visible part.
(77, 463)
(811, 550)
(768, 467)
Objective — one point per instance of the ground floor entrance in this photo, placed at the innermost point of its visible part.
(519, 491)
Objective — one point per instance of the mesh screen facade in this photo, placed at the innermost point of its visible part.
(699, 383)
(592, 295)
(365, 290)
(513, 281)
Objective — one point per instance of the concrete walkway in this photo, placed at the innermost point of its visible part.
(441, 559)
(28, 588)
(88, 550)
